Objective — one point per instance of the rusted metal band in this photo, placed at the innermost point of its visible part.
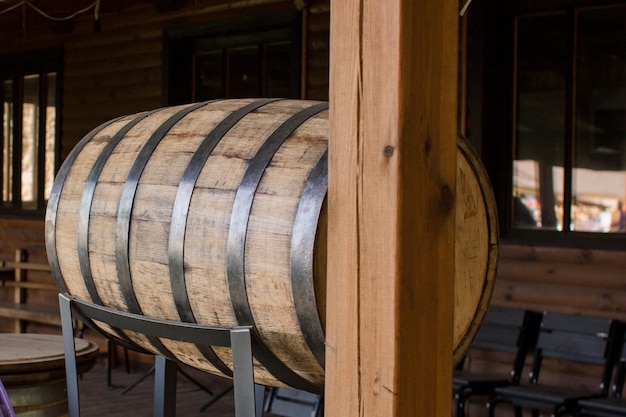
(51, 215)
(180, 213)
(182, 202)
(125, 207)
(82, 232)
(53, 204)
(302, 247)
(237, 239)
(124, 214)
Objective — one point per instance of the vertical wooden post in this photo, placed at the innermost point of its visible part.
(393, 95)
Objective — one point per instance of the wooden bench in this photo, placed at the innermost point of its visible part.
(13, 277)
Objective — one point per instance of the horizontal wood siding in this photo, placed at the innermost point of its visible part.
(23, 234)
(106, 78)
(583, 281)
(27, 235)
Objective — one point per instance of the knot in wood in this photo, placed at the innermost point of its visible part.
(447, 198)
(427, 145)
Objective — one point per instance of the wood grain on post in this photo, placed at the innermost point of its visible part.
(393, 92)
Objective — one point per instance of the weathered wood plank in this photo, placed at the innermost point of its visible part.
(139, 61)
(113, 93)
(343, 357)
(36, 313)
(97, 81)
(31, 285)
(568, 280)
(562, 255)
(592, 300)
(560, 273)
(78, 47)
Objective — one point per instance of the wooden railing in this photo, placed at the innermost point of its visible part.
(13, 278)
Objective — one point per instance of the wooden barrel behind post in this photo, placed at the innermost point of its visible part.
(214, 213)
(476, 247)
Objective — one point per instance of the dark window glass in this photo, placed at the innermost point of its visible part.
(247, 57)
(208, 75)
(243, 78)
(569, 163)
(278, 72)
(541, 80)
(599, 169)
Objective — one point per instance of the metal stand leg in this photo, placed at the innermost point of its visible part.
(164, 387)
(259, 396)
(243, 374)
(71, 373)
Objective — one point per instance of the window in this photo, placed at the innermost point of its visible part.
(569, 168)
(254, 70)
(544, 101)
(30, 97)
(256, 56)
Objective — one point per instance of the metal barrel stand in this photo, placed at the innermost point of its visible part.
(248, 396)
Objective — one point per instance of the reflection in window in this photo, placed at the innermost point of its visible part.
(7, 145)
(30, 133)
(569, 172)
(50, 136)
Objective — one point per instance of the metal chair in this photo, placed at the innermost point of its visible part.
(613, 406)
(504, 329)
(568, 339)
(294, 403)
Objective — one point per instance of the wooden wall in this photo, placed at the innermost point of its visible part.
(582, 281)
(29, 236)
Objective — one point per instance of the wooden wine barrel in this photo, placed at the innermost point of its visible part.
(214, 213)
(32, 369)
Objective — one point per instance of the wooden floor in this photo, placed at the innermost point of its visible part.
(97, 399)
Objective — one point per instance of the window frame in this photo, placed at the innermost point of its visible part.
(489, 94)
(15, 67)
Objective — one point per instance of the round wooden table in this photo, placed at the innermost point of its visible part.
(32, 369)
